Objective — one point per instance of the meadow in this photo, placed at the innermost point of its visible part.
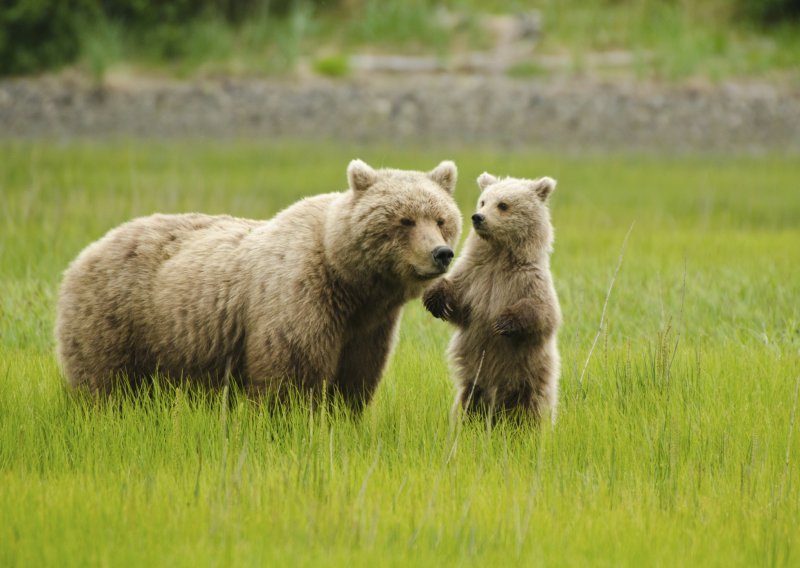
(678, 445)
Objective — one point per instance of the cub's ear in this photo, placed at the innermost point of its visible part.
(445, 174)
(543, 187)
(485, 180)
(360, 175)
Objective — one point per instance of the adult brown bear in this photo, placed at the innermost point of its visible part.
(309, 298)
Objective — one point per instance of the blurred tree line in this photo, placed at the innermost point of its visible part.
(37, 35)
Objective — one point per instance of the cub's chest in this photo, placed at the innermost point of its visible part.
(488, 292)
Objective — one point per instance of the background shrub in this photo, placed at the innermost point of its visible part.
(37, 35)
(40, 34)
(770, 12)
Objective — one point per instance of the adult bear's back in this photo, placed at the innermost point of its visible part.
(107, 322)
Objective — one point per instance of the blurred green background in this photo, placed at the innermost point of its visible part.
(671, 39)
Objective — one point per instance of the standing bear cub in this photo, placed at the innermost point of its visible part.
(501, 297)
(310, 298)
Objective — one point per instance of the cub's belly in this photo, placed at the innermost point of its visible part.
(490, 359)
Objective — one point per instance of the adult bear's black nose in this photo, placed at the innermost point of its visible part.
(478, 219)
(442, 256)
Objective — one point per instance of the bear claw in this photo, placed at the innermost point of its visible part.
(504, 325)
(436, 303)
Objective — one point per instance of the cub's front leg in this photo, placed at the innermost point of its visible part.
(526, 318)
(442, 301)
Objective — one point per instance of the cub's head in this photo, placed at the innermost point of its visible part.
(513, 212)
(405, 222)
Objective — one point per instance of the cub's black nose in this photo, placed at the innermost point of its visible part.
(442, 256)
(478, 219)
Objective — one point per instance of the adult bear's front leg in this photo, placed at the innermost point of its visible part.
(362, 361)
(278, 363)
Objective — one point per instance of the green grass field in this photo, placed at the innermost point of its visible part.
(678, 447)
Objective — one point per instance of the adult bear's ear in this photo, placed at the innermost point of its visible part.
(360, 175)
(543, 187)
(485, 180)
(445, 174)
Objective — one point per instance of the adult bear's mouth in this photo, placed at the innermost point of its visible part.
(427, 275)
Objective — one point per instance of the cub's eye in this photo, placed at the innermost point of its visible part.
(502, 206)
(440, 222)
(483, 203)
(406, 222)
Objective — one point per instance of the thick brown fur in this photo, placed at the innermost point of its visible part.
(309, 298)
(501, 298)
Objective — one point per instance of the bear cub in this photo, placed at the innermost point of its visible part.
(501, 298)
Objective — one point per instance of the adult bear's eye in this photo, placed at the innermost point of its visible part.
(502, 206)
(440, 222)
(406, 222)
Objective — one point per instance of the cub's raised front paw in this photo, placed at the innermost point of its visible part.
(437, 300)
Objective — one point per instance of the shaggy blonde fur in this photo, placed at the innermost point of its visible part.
(309, 298)
(501, 297)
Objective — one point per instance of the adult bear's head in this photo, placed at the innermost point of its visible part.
(400, 224)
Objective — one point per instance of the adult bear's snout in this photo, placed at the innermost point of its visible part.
(442, 256)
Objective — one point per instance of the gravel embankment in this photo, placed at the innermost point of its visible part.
(427, 108)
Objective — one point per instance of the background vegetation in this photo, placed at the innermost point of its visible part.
(670, 38)
(679, 445)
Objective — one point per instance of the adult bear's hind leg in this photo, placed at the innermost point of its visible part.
(94, 346)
